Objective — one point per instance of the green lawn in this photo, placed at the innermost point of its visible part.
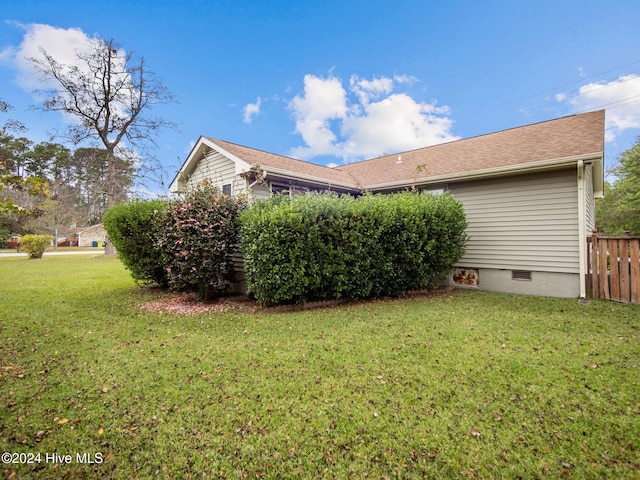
(466, 385)
(50, 249)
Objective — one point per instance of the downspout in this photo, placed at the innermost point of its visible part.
(582, 229)
(261, 179)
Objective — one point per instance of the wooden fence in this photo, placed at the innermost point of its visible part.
(613, 268)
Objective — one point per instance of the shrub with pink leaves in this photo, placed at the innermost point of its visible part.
(199, 234)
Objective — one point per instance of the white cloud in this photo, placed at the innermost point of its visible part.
(620, 98)
(370, 89)
(324, 100)
(66, 47)
(251, 110)
(408, 79)
(62, 44)
(367, 121)
(394, 124)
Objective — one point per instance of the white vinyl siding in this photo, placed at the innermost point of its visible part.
(260, 192)
(590, 204)
(527, 222)
(219, 170)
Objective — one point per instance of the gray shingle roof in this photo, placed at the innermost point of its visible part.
(565, 137)
(562, 138)
(280, 162)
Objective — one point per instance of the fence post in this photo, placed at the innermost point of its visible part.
(635, 270)
(603, 270)
(593, 264)
(625, 287)
(588, 268)
(614, 267)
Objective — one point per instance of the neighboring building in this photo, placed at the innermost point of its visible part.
(13, 241)
(93, 236)
(528, 194)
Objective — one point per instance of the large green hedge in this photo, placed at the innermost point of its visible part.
(324, 246)
(134, 229)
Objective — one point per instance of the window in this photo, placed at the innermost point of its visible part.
(226, 189)
(435, 191)
(279, 188)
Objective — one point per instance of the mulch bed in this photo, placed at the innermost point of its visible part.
(183, 304)
(188, 304)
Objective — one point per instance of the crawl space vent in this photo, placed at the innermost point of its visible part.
(523, 275)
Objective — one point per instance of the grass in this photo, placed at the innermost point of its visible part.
(466, 385)
(50, 249)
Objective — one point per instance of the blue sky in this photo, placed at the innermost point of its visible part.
(337, 81)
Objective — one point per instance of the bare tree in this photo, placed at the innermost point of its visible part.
(108, 95)
(9, 124)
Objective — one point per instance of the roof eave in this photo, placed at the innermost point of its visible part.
(193, 157)
(288, 174)
(173, 186)
(497, 172)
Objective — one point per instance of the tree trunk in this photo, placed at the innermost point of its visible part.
(109, 249)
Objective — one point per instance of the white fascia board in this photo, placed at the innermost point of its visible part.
(242, 166)
(194, 157)
(173, 186)
(598, 177)
(491, 172)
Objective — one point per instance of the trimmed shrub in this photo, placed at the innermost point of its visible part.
(199, 234)
(324, 246)
(35, 245)
(133, 228)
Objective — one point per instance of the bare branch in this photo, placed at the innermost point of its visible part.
(107, 95)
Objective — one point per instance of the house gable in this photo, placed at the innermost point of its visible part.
(91, 235)
(212, 162)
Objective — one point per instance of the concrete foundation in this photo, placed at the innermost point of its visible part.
(548, 284)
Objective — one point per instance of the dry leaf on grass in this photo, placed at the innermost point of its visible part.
(183, 304)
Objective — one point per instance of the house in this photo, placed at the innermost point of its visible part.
(528, 193)
(93, 236)
(13, 242)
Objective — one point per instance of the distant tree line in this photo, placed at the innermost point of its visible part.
(76, 178)
(107, 95)
(46, 186)
(618, 213)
